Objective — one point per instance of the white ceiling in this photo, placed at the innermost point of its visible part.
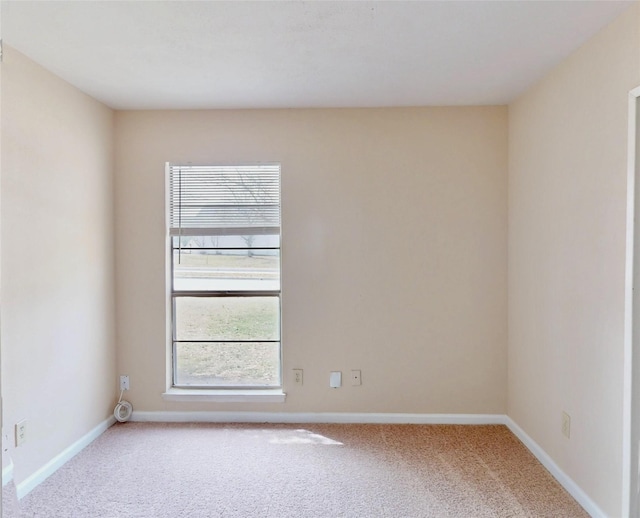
(234, 54)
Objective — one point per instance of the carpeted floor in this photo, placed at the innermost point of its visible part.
(248, 470)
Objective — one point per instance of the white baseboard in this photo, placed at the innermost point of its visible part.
(28, 484)
(572, 488)
(7, 473)
(312, 417)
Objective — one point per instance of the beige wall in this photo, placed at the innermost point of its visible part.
(58, 354)
(394, 251)
(567, 208)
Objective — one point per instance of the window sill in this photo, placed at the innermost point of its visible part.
(225, 396)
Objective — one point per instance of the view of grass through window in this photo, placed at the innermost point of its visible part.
(198, 318)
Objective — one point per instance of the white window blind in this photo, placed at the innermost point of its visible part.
(224, 200)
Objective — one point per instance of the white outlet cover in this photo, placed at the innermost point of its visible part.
(21, 432)
(335, 379)
(566, 425)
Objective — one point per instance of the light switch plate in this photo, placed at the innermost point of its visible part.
(335, 379)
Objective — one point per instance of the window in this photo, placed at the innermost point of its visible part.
(224, 228)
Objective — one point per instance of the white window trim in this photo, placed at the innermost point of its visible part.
(188, 395)
(213, 394)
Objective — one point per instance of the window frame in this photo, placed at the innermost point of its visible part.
(174, 294)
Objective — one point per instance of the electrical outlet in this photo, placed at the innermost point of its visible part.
(566, 425)
(355, 378)
(297, 376)
(124, 382)
(21, 432)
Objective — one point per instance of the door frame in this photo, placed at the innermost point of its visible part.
(629, 500)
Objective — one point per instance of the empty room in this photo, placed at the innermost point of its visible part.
(318, 259)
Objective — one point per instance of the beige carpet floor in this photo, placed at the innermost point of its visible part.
(279, 471)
